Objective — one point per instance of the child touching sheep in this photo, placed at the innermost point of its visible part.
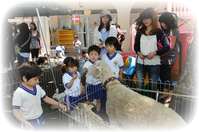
(27, 98)
(94, 88)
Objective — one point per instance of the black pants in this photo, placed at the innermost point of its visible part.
(165, 76)
(35, 53)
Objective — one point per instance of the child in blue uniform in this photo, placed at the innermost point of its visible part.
(112, 58)
(94, 88)
(72, 83)
(27, 98)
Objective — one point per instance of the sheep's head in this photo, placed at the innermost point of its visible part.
(100, 70)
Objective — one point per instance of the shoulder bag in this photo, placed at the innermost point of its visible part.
(160, 44)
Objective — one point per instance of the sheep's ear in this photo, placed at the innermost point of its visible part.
(99, 68)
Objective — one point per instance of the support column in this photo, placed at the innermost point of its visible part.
(45, 24)
(123, 11)
(54, 23)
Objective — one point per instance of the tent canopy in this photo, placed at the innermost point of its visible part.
(27, 9)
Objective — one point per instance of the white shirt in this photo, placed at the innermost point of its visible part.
(89, 78)
(25, 55)
(115, 62)
(78, 42)
(29, 102)
(75, 89)
(97, 34)
(148, 44)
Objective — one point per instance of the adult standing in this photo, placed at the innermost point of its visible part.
(14, 30)
(35, 41)
(120, 37)
(7, 53)
(101, 33)
(104, 30)
(148, 59)
(169, 26)
(23, 41)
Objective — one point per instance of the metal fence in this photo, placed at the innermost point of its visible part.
(184, 101)
(83, 117)
(8, 122)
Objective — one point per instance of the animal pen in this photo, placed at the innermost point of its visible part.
(82, 117)
(184, 104)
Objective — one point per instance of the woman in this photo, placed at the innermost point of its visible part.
(104, 30)
(148, 59)
(35, 41)
(169, 26)
(120, 37)
(23, 41)
(14, 30)
(7, 53)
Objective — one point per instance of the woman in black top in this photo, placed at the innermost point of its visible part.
(23, 41)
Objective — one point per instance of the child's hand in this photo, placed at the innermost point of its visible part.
(120, 79)
(63, 107)
(85, 71)
(29, 126)
(101, 44)
(74, 76)
(83, 91)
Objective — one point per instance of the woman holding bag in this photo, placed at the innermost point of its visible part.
(148, 59)
(169, 26)
(104, 30)
(23, 41)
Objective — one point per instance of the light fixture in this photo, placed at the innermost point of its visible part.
(80, 4)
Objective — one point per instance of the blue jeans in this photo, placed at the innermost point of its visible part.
(153, 72)
(21, 59)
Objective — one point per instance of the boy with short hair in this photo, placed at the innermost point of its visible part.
(27, 98)
(94, 88)
(112, 58)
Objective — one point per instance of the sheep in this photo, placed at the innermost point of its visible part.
(131, 111)
(83, 114)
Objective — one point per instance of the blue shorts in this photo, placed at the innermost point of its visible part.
(38, 124)
(72, 102)
(94, 91)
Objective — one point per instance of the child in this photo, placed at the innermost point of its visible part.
(77, 45)
(94, 88)
(72, 83)
(85, 55)
(112, 58)
(27, 98)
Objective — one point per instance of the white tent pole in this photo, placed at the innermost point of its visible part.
(42, 31)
